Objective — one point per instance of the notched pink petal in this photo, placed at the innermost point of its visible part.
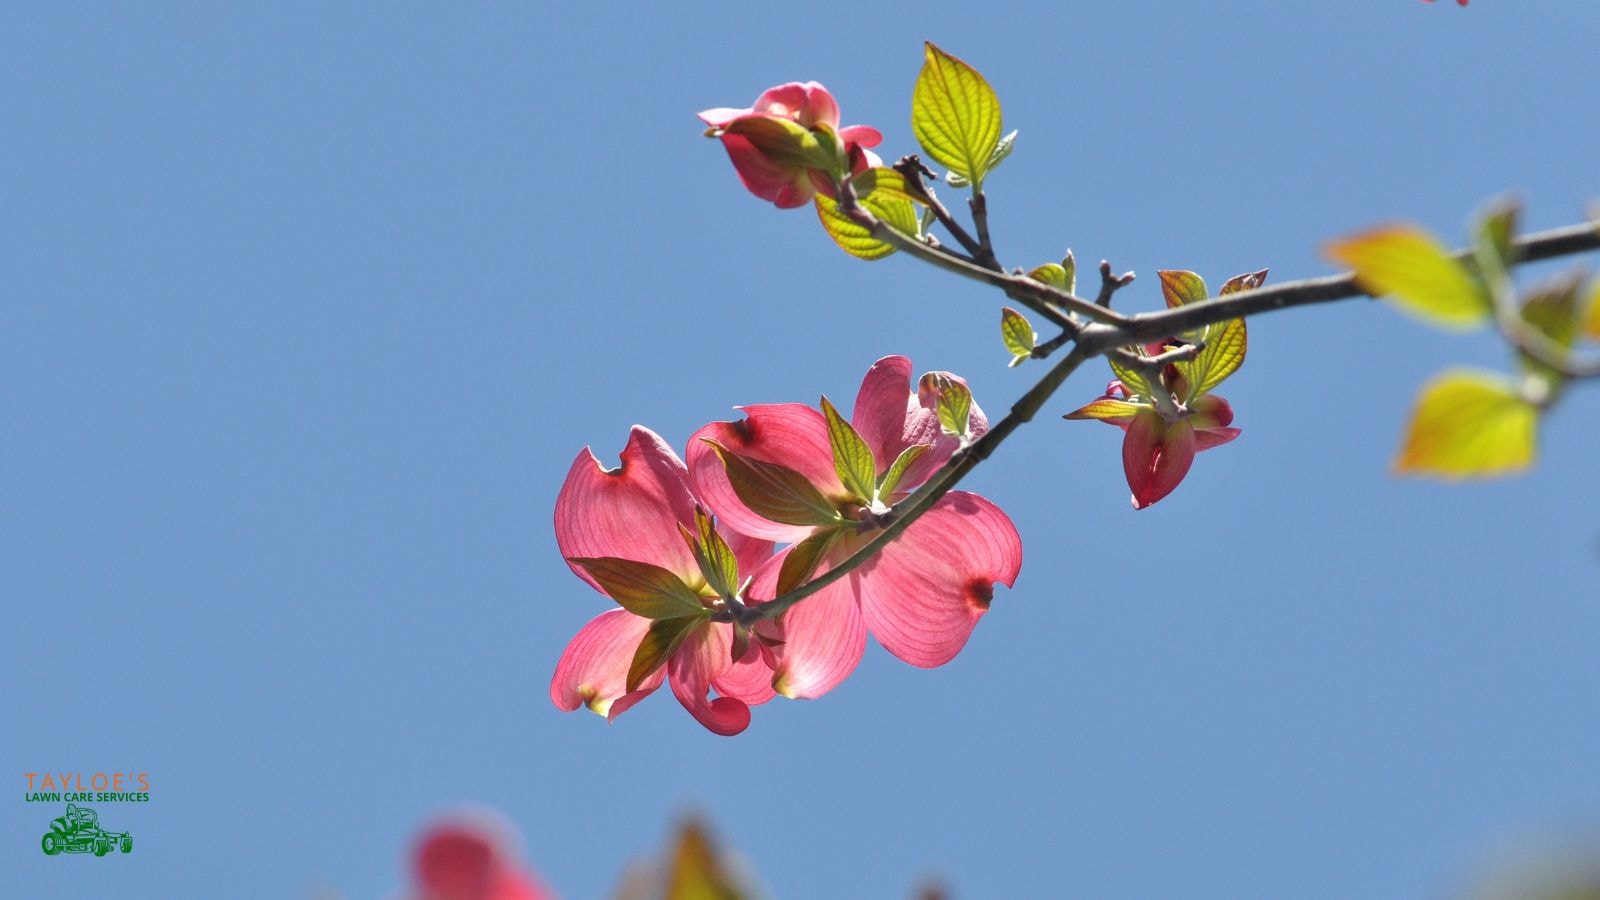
(704, 657)
(1156, 456)
(924, 592)
(631, 511)
(593, 670)
(789, 434)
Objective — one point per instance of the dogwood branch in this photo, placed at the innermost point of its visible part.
(1156, 325)
(1109, 332)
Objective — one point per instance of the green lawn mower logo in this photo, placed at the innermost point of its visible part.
(79, 831)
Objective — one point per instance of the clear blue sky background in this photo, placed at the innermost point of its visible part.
(307, 311)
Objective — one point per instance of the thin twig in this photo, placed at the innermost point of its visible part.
(1110, 284)
(980, 220)
(1043, 299)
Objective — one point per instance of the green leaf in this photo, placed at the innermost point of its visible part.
(955, 115)
(1108, 408)
(660, 642)
(1552, 309)
(696, 871)
(1591, 327)
(716, 560)
(998, 155)
(775, 492)
(897, 471)
(1018, 334)
(1069, 264)
(882, 192)
(1131, 378)
(954, 406)
(1180, 287)
(1492, 247)
(641, 588)
(1053, 274)
(1248, 281)
(1411, 266)
(852, 458)
(1469, 424)
(802, 559)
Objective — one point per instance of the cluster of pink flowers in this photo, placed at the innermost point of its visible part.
(761, 506)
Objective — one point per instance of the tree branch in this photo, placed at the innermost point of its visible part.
(1154, 326)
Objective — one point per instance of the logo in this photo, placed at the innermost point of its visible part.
(80, 831)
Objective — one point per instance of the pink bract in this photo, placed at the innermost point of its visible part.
(923, 593)
(763, 142)
(1156, 454)
(633, 512)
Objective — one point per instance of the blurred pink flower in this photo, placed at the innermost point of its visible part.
(468, 858)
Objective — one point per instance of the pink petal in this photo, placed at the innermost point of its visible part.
(1156, 456)
(1211, 411)
(751, 552)
(631, 511)
(788, 434)
(749, 679)
(703, 658)
(467, 859)
(721, 116)
(1206, 438)
(890, 418)
(884, 410)
(819, 107)
(785, 100)
(860, 136)
(823, 635)
(785, 186)
(922, 426)
(593, 670)
(924, 593)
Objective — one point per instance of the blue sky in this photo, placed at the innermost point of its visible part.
(308, 310)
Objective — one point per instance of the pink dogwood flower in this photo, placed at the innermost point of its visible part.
(469, 858)
(1163, 437)
(639, 535)
(790, 473)
(788, 145)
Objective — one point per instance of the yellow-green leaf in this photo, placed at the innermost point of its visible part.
(955, 115)
(1411, 266)
(1018, 334)
(852, 458)
(662, 640)
(1552, 309)
(696, 871)
(1131, 378)
(881, 192)
(1469, 424)
(1591, 328)
(1053, 274)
